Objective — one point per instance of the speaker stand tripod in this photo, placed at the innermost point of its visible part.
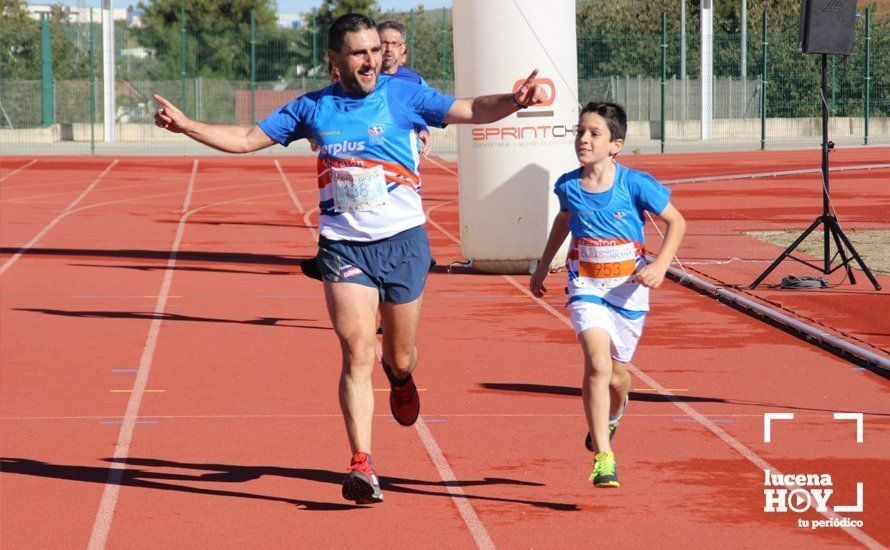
(831, 228)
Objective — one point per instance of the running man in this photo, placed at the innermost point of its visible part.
(374, 249)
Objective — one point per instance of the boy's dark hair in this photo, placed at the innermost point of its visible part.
(351, 22)
(392, 24)
(616, 118)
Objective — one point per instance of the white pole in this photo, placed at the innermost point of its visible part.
(685, 100)
(108, 68)
(744, 29)
(707, 67)
(683, 39)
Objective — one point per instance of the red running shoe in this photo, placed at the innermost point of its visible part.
(361, 484)
(404, 401)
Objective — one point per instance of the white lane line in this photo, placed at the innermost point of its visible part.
(467, 513)
(471, 519)
(442, 166)
(19, 169)
(74, 181)
(446, 474)
(186, 202)
(105, 513)
(293, 196)
(724, 177)
(756, 175)
(58, 193)
(743, 450)
(69, 182)
(68, 209)
(158, 183)
(137, 199)
(102, 523)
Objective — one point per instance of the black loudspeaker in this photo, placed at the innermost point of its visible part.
(826, 26)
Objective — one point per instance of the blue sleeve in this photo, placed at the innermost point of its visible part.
(291, 122)
(649, 194)
(420, 127)
(560, 189)
(426, 103)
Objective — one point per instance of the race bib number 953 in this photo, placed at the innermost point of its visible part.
(606, 265)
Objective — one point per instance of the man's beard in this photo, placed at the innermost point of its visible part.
(386, 66)
(353, 85)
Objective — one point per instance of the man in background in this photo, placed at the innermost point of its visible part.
(393, 35)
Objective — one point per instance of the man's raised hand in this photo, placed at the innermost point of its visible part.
(530, 93)
(169, 117)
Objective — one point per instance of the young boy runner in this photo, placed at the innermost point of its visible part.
(602, 205)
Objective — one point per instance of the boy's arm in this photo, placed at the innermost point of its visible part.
(230, 138)
(558, 233)
(652, 275)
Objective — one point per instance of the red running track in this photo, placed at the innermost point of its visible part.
(237, 440)
(720, 213)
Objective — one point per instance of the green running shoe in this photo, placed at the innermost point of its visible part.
(605, 471)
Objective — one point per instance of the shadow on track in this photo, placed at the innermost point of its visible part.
(138, 473)
(651, 397)
(163, 267)
(182, 256)
(262, 321)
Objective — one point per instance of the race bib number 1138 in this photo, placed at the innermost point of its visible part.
(359, 189)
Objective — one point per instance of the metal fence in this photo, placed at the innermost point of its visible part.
(51, 97)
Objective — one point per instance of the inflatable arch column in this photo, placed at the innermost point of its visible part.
(507, 168)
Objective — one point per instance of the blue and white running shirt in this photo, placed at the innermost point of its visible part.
(607, 236)
(368, 162)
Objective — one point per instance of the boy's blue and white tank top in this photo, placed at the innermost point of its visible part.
(607, 245)
(368, 162)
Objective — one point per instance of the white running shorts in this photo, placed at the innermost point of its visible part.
(625, 333)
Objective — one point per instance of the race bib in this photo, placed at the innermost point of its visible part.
(605, 264)
(359, 189)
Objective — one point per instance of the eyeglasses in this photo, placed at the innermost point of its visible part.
(386, 44)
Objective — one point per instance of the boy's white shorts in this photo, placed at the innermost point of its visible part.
(625, 333)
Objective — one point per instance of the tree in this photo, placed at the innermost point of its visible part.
(217, 36)
(20, 44)
(19, 41)
(330, 10)
(623, 38)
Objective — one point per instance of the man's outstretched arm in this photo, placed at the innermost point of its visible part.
(488, 108)
(230, 138)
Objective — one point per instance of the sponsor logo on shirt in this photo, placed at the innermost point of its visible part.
(619, 215)
(343, 147)
(375, 134)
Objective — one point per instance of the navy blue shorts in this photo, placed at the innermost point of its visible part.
(396, 266)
